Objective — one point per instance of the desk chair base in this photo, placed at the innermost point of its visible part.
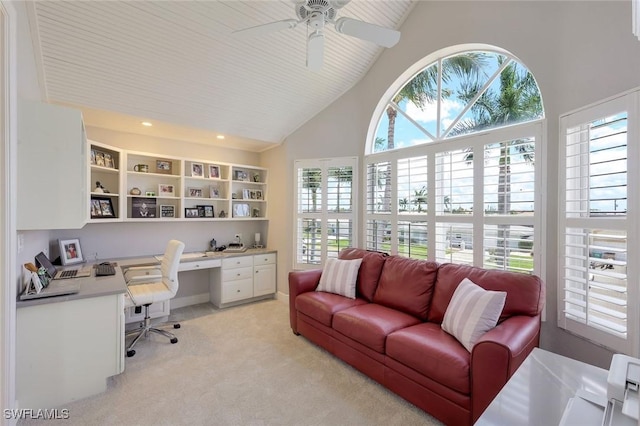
(144, 330)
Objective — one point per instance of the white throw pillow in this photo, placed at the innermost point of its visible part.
(339, 277)
(472, 312)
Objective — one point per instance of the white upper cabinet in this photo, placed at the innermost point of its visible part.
(52, 167)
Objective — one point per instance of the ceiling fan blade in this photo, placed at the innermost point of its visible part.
(370, 32)
(263, 29)
(315, 51)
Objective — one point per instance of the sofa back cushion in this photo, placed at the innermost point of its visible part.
(407, 285)
(525, 293)
(369, 272)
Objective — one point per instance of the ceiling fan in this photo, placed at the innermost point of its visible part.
(316, 14)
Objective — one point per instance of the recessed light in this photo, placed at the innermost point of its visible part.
(220, 136)
(146, 123)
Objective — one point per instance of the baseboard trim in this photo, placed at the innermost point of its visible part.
(196, 299)
(283, 297)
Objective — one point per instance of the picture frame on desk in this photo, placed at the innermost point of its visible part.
(101, 208)
(70, 251)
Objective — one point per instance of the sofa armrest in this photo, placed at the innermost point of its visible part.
(497, 355)
(300, 282)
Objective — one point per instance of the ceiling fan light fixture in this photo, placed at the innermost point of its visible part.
(315, 51)
(338, 4)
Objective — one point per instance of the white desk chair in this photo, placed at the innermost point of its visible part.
(150, 284)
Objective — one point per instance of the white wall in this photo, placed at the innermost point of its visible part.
(579, 52)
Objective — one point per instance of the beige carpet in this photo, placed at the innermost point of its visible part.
(239, 366)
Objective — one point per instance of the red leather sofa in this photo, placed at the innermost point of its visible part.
(392, 330)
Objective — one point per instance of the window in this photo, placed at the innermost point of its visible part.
(598, 294)
(451, 171)
(325, 214)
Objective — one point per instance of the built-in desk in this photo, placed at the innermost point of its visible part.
(67, 346)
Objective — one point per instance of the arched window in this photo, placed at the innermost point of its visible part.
(450, 165)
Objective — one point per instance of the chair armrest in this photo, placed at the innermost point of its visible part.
(300, 282)
(497, 355)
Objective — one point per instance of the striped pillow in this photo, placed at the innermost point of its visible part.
(339, 277)
(472, 312)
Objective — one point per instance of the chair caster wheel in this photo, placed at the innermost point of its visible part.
(174, 340)
(176, 325)
(130, 353)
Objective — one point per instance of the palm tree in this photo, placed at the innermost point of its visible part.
(420, 197)
(422, 90)
(517, 100)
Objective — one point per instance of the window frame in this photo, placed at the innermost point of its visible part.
(324, 164)
(628, 101)
(534, 129)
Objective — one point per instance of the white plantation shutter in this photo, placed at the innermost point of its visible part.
(598, 294)
(325, 215)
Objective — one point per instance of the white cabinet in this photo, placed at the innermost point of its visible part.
(264, 277)
(244, 277)
(52, 167)
(67, 350)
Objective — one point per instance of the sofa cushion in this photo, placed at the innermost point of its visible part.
(321, 306)
(407, 285)
(525, 293)
(429, 350)
(369, 272)
(369, 324)
(472, 312)
(339, 277)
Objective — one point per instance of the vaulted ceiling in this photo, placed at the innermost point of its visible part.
(176, 63)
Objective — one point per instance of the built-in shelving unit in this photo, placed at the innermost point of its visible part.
(140, 186)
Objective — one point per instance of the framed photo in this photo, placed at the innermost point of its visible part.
(255, 212)
(70, 252)
(258, 193)
(100, 158)
(195, 192)
(214, 192)
(164, 166)
(241, 210)
(191, 212)
(205, 211)
(143, 208)
(240, 175)
(197, 170)
(256, 177)
(214, 172)
(108, 161)
(167, 211)
(101, 207)
(165, 190)
(93, 156)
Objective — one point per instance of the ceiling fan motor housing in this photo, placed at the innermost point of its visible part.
(309, 8)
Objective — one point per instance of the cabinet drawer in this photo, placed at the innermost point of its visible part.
(237, 290)
(264, 259)
(236, 274)
(237, 262)
(199, 264)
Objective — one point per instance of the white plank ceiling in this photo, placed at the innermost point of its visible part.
(176, 64)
